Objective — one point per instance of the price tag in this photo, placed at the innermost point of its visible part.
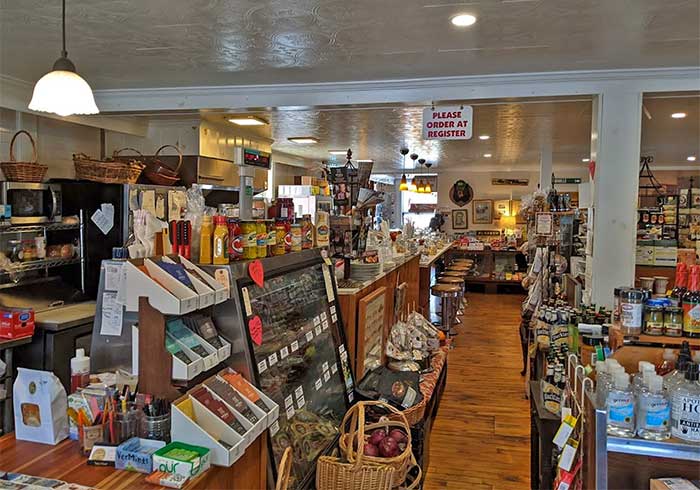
(317, 330)
(288, 401)
(262, 366)
(323, 316)
(299, 392)
(327, 261)
(318, 384)
(290, 412)
(309, 336)
(246, 302)
(334, 317)
(344, 356)
(565, 430)
(325, 366)
(317, 320)
(341, 349)
(329, 285)
(326, 376)
(272, 360)
(284, 352)
(334, 369)
(300, 402)
(332, 309)
(295, 346)
(325, 325)
(351, 395)
(274, 428)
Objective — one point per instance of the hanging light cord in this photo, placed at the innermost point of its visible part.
(64, 53)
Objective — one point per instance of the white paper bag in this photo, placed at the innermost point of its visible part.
(40, 405)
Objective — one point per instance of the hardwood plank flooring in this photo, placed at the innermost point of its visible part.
(481, 437)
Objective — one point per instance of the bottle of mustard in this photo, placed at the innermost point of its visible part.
(205, 235)
(220, 249)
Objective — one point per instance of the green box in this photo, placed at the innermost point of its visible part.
(181, 459)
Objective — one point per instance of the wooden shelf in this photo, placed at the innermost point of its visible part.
(617, 339)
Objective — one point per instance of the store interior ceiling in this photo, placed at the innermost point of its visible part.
(161, 43)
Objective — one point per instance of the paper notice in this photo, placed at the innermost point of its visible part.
(148, 201)
(121, 289)
(111, 315)
(329, 284)
(112, 276)
(246, 301)
(102, 221)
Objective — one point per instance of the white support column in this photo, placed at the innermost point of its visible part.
(546, 168)
(615, 147)
(245, 195)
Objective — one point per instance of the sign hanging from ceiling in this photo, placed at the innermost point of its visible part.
(448, 123)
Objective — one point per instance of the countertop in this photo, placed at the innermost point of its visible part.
(10, 343)
(64, 317)
(386, 270)
(430, 259)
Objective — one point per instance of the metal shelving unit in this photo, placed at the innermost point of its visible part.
(38, 228)
(37, 265)
(672, 448)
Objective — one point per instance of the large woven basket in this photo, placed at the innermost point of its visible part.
(334, 474)
(23, 171)
(116, 170)
(354, 432)
(160, 174)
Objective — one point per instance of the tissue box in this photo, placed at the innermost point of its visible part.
(136, 454)
(182, 459)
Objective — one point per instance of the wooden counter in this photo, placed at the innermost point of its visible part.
(63, 462)
(427, 272)
(403, 272)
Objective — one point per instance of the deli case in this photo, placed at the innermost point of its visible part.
(296, 353)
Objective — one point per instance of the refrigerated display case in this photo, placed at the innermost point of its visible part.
(299, 359)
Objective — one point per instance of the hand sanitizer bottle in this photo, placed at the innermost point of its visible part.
(654, 411)
(685, 407)
(638, 378)
(620, 407)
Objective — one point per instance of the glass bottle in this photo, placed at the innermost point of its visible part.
(685, 407)
(679, 287)
(691, 305)
(654, 411)
(620, 406)
(676, 377)
(669, 360)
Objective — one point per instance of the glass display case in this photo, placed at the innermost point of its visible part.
(297, 357)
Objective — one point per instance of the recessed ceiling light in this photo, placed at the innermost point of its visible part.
(463, 20)
(585, 160)
(678, 115)
(304, 140)
(487, 155)
(692, 158)
(247, 121)
(338, 152)
(484, 137)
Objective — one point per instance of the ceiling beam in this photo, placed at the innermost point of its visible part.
(399, 91)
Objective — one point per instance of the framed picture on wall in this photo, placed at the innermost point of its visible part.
(460, 219)
(483, 211)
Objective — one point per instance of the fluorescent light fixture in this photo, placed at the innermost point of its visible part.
(463, 20)
(304, 140)
(484, 137)
(364, 161)
(247, 121)
(487, 155)
(692, 158)
(338, 152)
(585, 160)
(679, 115)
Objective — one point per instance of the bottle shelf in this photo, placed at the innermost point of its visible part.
(37, 228)
(37, 265)
(672, 448)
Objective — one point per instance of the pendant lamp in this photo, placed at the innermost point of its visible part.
(62, 91)
(414, 185)
(421, 187)
(428, 187)
(403, 185)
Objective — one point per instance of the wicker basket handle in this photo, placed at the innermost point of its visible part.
(179, 153)
(116, 153)
(284, 469)
(418, 478)
(35, 158)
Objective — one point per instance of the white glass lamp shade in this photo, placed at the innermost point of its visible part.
(64, 93)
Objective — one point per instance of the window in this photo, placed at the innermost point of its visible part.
(419, 208)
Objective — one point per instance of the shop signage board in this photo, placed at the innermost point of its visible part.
(256, 158)
(544, 224)
(448, 123)
(567, 180)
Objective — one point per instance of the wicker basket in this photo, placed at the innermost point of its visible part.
(23, 171)
(284, 470)
(117, 170)
(334, 474)
(354, 431)
(160, 174)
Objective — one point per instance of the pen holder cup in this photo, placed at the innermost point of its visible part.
(126, 425)
(157, 427)
(90, 435)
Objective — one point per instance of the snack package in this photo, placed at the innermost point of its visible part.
(40, 406)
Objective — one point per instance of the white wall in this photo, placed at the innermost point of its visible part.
(483, 189)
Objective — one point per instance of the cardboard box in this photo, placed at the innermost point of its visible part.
(163, 460)
(136, 454)
(645, 252)
(673, 484)
(16, 323)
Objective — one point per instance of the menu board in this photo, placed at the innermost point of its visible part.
(301, 362)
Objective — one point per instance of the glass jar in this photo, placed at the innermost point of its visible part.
(631, 308)
(673, 321)
(653, 319)
(616, 304)
(14, 251)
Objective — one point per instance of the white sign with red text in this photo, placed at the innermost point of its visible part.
(448, 123)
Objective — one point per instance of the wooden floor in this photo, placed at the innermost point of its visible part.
(481, 436)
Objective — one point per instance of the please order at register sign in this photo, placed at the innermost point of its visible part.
(448, 123)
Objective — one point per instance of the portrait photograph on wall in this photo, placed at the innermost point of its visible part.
(483, 211)
(460, 219)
